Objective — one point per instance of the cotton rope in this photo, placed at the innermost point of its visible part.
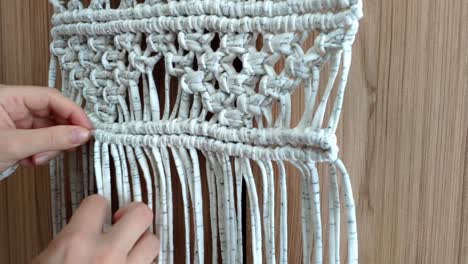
(159, 82)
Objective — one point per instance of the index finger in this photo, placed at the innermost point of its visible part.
(131, 226)
(90, 215)
(40, 99)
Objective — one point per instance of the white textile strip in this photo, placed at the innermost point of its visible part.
(188, 94)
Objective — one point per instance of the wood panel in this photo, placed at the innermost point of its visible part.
(24, 206)
(403, 134)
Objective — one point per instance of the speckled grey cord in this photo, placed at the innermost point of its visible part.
(123, 64)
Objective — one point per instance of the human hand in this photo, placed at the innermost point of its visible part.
(36, 123)
(82, 240)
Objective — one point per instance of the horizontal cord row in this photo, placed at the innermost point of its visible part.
(218, 146)
(254, 136)
(77, 13)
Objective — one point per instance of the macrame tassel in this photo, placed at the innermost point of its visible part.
(211, 179)
(62, 192)
(118, 175)
(283, 213)
(230, 213)
(255, 218)
(198, 207)
(219, 180)
(315, 191)
(334, 217)
(106, 183)
(140, 157)
(135, 176)
(73, 179)
(170, 218)
(350, 214)
(85, 169)
(306, 209)
(156, 193)
(92, 176)
(98, 168)
(54, 199)
(126, 189)
(186, 204)
(164, 220)
(266, 170)
(239, 181)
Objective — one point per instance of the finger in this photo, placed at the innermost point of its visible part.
(44, 158)
(25, 143)
(65, 108)
(61, 121)
(126, 232)
(40, 122)
(90, 216)
(145, 250)
(34, 122)
(27, 162)
(43, 101)
(122, 211)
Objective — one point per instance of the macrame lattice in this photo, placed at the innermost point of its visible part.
(194, 85)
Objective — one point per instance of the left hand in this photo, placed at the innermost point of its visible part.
(36, 123)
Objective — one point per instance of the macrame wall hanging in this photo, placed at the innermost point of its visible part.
(193, 85)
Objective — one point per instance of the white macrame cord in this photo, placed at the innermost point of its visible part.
(188, 93)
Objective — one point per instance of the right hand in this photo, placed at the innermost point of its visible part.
(82, 240)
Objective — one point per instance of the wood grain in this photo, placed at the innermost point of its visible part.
(24, 216)
(403, 134)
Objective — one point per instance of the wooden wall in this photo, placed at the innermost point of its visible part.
(403, 133)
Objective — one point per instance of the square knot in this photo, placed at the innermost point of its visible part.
(233, 118)
(58, 47)
(112, 59)
(126, 41)
(254, 62)
(161, 42)
(233, 83)
(275, 86)
(211, 62)
(99, 44)
(282, 43)
(300, 65)
(195, 42)
(176, 64)
(124, 77)
(69, 61)
(77, 77)
(141, 62)
(252, 104)
(236, 43)
(193, 82)
(75, 5)
(76, 43)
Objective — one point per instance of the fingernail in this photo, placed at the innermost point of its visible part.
(80, 135)
(42, 159)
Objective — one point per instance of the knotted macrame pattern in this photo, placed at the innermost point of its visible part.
(189, 92)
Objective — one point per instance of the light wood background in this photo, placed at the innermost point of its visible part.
(403, 132)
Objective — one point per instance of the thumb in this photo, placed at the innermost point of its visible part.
(24, 143)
